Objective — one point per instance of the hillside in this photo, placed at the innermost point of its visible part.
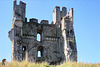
(68, 64)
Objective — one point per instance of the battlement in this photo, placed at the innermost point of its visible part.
(20, 3)
(63, 12)
(59, 14)
(19, 10)
(44, 22)
(33, 20)
(69, 15)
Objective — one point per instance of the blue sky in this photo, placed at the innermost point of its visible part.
(86, 24)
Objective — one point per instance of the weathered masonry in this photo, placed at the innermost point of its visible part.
(57, 40)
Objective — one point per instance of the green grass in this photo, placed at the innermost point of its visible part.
(44, 64)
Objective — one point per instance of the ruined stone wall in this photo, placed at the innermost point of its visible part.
(48, 40)
(57, 40)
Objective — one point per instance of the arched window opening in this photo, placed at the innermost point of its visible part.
(39, 53)
(38, 37)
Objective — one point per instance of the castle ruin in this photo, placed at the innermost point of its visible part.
(57, 40)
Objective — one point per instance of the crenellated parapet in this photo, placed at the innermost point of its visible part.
(19, 10)
(44, 22)
(59, 15)
(33, 20)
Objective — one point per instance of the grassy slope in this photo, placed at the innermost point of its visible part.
(27, 64)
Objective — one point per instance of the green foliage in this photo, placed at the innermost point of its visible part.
(44, 64)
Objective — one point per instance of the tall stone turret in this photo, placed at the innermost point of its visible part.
(56, 42)
(65, 32)
(16, 32)
(70, 50)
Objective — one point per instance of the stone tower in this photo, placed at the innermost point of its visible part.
(57, 40)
